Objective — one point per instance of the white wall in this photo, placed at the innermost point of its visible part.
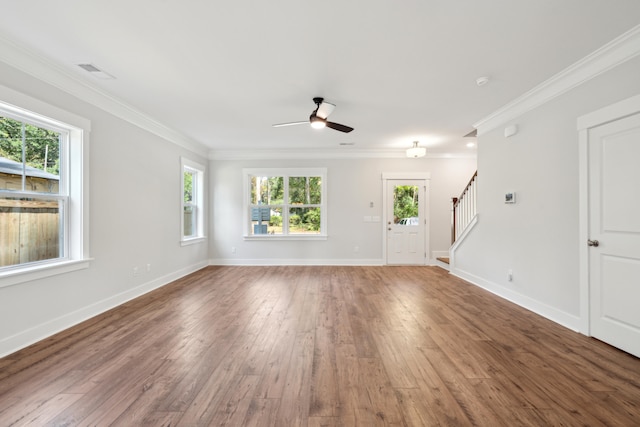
(134, 221)
(352, 185)
(538, 236)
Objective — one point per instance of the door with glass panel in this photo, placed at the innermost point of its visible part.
(406, 221)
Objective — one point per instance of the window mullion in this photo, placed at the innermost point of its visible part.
(23, 131)
(285, 206)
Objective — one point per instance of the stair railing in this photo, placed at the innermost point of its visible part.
(464, 208)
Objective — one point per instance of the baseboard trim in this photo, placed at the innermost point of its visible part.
(293, 261)
(558, 316)
(37, 333)
(440, 264)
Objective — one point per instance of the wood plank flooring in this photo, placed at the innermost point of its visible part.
(319, 346)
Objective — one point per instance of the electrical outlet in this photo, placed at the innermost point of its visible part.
(148, 268)
(356, 249)
(135, 271)
(510, 275)
(233, 249)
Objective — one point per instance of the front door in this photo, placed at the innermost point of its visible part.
(614, 233)
(406, 221)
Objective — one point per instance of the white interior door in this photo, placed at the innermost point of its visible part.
(406, 221)
(614, 233)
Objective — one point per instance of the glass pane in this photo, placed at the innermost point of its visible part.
(298, 194)
(405, 204)
(41, 149)
(188, 187)
(189, 221)
(315, 190)
(267, 190)
(266, 220)
(305, 190)
(30, 230)
(304, 221)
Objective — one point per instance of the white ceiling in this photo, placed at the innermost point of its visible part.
(221, 73)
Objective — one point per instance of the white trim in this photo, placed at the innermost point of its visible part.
(558, 316)
(285, 237)
(458, 242)
(614, 53)
(436, 262)
(41, 271)
(199, 201)
(295, 261)
(74, 185)
(583, 230)
(406, 175)
(439, 254)
(193, 241)
(286, 154)
(39, 332)
(18, 102)
(49, 72)
(619, 110)
(285, 173)
(425, 177)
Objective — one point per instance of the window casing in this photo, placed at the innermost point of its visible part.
(43, 221)
(285, 203)
(192, 202)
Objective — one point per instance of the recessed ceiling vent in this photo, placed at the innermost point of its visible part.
(96, 72)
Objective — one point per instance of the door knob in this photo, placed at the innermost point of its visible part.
(593, 243)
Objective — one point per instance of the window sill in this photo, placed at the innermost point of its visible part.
(270, 237)
(193, 241)
(41, 271)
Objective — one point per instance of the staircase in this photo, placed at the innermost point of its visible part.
(463, 218)
(464, 209)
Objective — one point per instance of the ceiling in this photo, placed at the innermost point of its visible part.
(222, 72)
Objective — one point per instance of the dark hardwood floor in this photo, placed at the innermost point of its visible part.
(319, 346)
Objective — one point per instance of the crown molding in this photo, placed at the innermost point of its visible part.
(51, 73)
(612, 54)
(289, 154)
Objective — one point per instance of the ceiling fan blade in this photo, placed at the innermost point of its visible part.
(338, 126)
(290, 124)
(324, 109)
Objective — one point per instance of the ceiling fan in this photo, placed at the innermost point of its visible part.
(318, 118)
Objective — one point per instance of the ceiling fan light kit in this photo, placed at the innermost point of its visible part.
(317, 122)
(416, 151)
(318, 117)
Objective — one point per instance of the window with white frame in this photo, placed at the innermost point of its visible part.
(43, 226)
(287, 203)
(192, 212)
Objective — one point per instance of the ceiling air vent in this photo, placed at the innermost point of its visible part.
(96, 72)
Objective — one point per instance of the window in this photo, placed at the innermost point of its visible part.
(192, 212)
(43, 227)
(286, 203)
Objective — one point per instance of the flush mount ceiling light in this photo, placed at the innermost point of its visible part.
(416, 151)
